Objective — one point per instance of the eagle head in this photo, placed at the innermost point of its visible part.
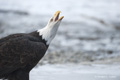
(55, 20)
(50, 30)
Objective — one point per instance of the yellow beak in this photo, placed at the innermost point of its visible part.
(56, 16)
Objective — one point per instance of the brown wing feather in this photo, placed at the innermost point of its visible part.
(19, 52)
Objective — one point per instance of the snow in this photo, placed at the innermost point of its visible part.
(76, 72)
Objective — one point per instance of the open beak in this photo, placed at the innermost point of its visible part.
(56, 16)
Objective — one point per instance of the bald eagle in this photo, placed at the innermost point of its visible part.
(19, 53)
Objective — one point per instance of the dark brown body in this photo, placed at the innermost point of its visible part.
(19, 53)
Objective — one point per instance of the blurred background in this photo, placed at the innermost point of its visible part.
(89, 35)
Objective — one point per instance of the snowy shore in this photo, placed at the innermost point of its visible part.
(99, 70)
(76, 72)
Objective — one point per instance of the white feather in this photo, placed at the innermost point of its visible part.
(49, 32)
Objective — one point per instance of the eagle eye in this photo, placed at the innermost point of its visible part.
(51, 20)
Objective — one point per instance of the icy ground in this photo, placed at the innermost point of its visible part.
(76, 72)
